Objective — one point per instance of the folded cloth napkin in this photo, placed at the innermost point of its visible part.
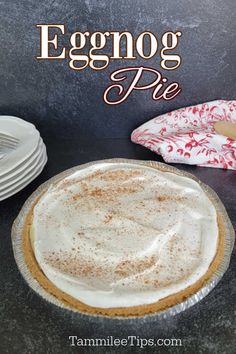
(187, 135)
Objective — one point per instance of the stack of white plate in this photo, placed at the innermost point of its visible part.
(22, 155)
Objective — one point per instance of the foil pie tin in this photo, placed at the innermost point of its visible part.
(17, 239)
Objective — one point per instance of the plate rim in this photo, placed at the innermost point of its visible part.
(25, 183)
(24, 151)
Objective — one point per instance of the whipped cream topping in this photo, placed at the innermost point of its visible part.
(121, 235)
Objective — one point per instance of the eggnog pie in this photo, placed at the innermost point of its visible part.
(123, 239)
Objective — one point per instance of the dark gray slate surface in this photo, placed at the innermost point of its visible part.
(31, 325)
(51, 94)
(66, 106)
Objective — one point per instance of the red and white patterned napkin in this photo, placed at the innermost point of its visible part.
(187, 135)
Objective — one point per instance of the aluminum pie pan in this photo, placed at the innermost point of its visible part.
(17, 240)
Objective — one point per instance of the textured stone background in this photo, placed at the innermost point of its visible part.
(51, 95)
(67, 107)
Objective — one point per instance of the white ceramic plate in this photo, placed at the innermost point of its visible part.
(29, 178)
(17, 171)
(25, 173)
(28, 138)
